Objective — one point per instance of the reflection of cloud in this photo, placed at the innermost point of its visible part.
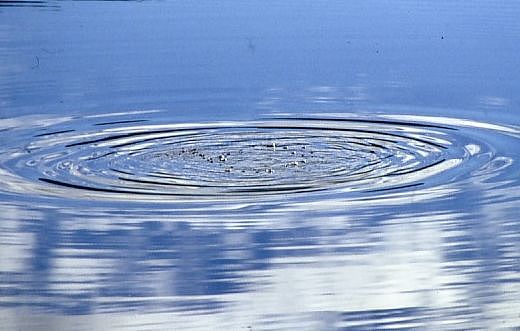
(493, 101)
(81, 272)
(403, 267)
(15, 244)
(283, 100)
(395, 84)
(404, 270)
(322, 89)
(323, 94)
(31, 121)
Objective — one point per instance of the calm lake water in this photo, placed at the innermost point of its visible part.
(260, 165)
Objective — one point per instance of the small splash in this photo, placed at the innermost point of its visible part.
(140, 160)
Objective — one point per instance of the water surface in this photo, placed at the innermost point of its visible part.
(259, 166)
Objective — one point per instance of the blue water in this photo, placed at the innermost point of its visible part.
(295, 165)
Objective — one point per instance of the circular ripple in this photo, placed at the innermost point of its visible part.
(237, 159)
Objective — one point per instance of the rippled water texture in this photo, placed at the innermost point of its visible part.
(243, 161)
(269, 166)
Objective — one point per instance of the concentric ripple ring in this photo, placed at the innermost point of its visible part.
(134, 159)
